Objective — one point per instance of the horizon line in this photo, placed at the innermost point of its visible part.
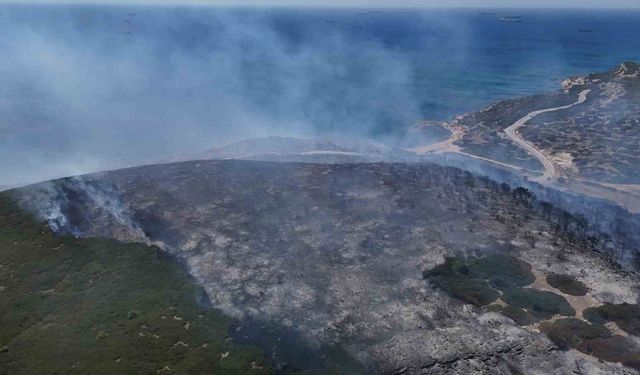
(232, 4)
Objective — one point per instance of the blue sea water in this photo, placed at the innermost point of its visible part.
(461, 60)
(121, 84)
(457, 60)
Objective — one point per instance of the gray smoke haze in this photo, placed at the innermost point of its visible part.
(89, 88)
(385, 3)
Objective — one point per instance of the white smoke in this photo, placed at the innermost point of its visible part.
(106, 199)
(74, 205)
(47, 202)
(80, 93)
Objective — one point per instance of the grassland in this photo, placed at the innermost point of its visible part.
(97, 306)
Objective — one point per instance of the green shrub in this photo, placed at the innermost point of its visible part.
(473, 291)
(539, 303)
(494, 308)
(594, 315)
(570, 333)
(504, 271)
(612, 349)
(625, 315)
(454, 278)
(444, 270)
(632, 361)
(593, 339)
(567, 284)
(519, 316)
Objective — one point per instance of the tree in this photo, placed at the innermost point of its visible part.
(546, 208)
(531, 239)
(593, 240)
(556, 229)
(523, 196)
(607, 249)
(564, 219)
(469, 180)
(581, 225)
(505, 188)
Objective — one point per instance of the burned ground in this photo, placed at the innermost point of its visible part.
(600, 138)
(484, 134)
(597, 140)
(332, 256)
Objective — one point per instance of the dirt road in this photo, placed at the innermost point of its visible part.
(457, 132)
(624, 195)
(550, 171)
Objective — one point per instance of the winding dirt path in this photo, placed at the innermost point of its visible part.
(550, 171)
(457, 132)
(449, 146)
(625, 195)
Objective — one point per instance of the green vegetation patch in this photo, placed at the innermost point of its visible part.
(571, 333)
(539, 303)
(625, 315)
(613, 349)
(97, 306)
(519, 316)
(567, 284)
(502, 271)
(454, 277)
(494, 308)
(593, 339)
(477, 281)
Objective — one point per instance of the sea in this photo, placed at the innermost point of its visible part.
(185, 78)
(463, 59)
(88, 87)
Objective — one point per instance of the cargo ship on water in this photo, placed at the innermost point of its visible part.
(512, 19)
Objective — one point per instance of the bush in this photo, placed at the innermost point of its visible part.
(504, 271)
(453, 277)
(541, 304)
(570, 333)
(594, 315)
(625, 315)
(632, 361)
(612, 349)
(472, 291)
(519, 316)
(567, 284)
(444, 270)
(494, 308)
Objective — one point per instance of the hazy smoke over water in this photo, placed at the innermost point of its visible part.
(88, 89)
(84, 88)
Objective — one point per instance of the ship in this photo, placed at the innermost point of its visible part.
(511, 19)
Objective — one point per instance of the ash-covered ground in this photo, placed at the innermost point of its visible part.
(328, 259)
(596, 140)
(583, 138)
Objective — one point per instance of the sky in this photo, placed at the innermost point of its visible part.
(382, 3)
